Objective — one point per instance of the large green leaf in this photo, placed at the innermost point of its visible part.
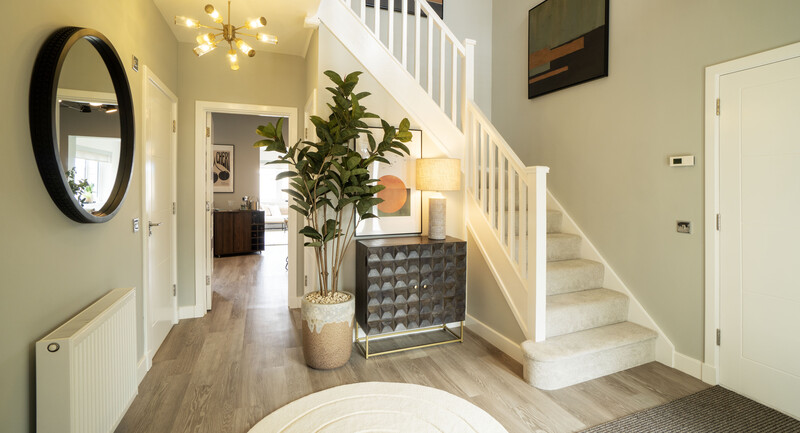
(309, 232)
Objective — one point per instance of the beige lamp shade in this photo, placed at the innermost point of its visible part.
(438, 174)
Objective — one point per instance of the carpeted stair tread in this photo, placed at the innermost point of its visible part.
(567, 276)
(587, 342)
(563, 246)
(586, 309)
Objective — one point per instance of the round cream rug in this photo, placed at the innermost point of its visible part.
(379, 407)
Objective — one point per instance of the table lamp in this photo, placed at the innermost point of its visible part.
(438, 174)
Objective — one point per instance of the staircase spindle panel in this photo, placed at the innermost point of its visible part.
(390, 27)
(404, 34)
(417, 23)
(430, 57)
(484, 174)
(523, 227)
(492, 183)
(501, 193)
(377, 26)
(454, 87)
(475, 147)
(513, 210)
(442, 57)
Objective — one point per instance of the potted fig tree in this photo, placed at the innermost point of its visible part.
(331, 188)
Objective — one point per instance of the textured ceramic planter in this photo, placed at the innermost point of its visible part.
(327, 333)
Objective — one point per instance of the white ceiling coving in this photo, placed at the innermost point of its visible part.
(284, 19)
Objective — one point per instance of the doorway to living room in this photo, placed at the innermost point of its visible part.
(244, 213)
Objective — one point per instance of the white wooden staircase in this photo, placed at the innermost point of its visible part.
(576, 330)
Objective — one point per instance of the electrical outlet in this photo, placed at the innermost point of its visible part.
(136, 225)
(684, 227)
(135, 64)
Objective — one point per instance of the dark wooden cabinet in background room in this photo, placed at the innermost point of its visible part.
(238, 231)
(410, 282)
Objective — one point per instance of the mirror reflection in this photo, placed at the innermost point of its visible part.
(88, 125)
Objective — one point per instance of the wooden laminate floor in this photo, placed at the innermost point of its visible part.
(227, 370)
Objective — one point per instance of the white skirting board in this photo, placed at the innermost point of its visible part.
(141, 369)
(665, 350)
(692, 367)
(187, 312)
(496, 339)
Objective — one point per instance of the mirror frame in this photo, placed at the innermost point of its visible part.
(42, 106)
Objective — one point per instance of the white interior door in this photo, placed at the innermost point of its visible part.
(159, 219)
(209, 209)
(760, 234)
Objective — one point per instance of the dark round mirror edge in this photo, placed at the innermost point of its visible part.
(41, 112)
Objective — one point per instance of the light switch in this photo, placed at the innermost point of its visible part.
(681, 161)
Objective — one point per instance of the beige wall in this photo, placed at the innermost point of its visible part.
(607, 141)
(266, 79)
(472, 19)
(52, 267)
(485, 301)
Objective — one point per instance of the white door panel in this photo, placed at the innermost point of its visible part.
(760, 235)
(159, 197)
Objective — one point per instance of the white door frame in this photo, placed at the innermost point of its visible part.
(201, 170)
(309, 262)
(148, 77)
(712, 252)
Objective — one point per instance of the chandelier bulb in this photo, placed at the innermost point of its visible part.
(245, 48)
(188, 22)
(257, 23)
(213, 13)
(203, 48)
(267, 39)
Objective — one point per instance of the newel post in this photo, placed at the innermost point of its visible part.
(537, 250)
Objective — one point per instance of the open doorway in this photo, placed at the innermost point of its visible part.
(226, 133)
(250, 210)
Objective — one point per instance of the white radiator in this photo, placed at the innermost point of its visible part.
(86, 369)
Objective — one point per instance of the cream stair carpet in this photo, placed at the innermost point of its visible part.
(379, 407)
(588, 333)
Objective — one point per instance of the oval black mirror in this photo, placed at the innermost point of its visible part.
(82, 124)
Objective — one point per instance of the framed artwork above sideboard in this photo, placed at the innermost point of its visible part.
(222, 160)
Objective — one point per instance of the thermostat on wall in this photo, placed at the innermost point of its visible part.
(681, 161)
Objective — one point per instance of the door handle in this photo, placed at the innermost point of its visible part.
(150, 226)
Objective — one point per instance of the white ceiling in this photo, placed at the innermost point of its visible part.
(284, 19)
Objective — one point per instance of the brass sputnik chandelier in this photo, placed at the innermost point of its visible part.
(228, 33)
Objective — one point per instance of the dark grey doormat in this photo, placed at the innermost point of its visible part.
(709, 411)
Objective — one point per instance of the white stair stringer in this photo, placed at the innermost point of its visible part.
(354, 35)
(505, 273)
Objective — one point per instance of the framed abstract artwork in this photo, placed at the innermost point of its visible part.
(222, 160)
(567, 44)
(436, 5)
(401, 210)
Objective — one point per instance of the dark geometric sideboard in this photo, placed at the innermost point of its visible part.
(410, 282)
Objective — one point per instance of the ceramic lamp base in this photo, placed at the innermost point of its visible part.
(437, 213)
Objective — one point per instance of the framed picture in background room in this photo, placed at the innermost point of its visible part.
(401, 210)
(567, 44)
(222, 160)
